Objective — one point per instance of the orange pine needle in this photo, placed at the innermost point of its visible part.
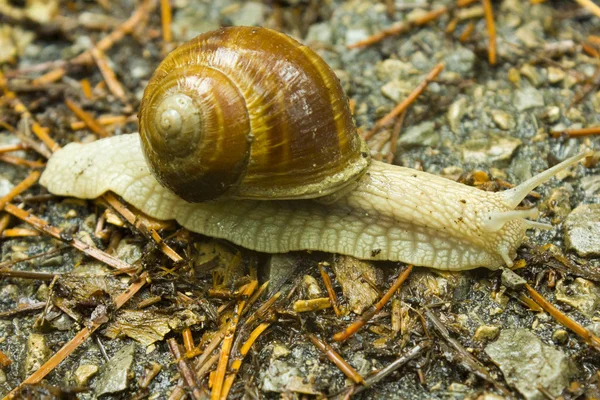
(4, 221)
(86, 88)
(188, 339)
(165, 14)
(19, 232)
(144, 224)
(38, 130)
(253, 337)
(8, 127)
(466, 34)
(406, 102)
(590, 50)
(219, 379)
(451, 27)
(335, 358)
(184, 369)
(237, 363)
(12, 147)
(109, 75)
(49, 77)
(56, 233)
(125, 28)
(577, 132)
(4, 360)
(330, 291)
(20, 161)
(87, 118)
(212, 345)
(367, 315)
(20, 188)
(464, 3)
(83, 334)
(594, 39)
(564, 319)
(42, 134)
(102, 120)
(489, 20)
(399, 28)
(301, 306)
(219, 382)
(590, 6)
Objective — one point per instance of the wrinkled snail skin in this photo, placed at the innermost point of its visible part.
(391, 213)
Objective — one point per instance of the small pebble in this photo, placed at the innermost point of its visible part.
(527, 98)
(555, 75)
(37, 353)
(582, 230)
(560, 336)
(551, 114)
(84, 373)
(503, 120)
(311, 287)
(485, 333)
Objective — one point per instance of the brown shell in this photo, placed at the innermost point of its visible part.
(249, 113)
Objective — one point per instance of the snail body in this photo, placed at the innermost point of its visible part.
(336, 200)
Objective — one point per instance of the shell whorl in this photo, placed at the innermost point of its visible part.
(247, 112)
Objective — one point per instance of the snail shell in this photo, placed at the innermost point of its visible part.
(247, 112)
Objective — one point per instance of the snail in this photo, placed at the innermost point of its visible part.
(246, 135)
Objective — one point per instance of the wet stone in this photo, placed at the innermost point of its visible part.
(581, 294)
(396, 89)
(560, 336)
(528, 363)
(319, 33)
(512, 280)
(591, 186)
(310, 287)
(551, 114)
(456, 112)
(249, 14)
(37, 353)
(129, 250)
(84, 373)
(486, 333)
(114, 375)
(555, 75)
(503, 120)
(5, 186)
(281, 269)
(527, 98)
(423, 134)
(582, 230)
(493, 148)
(531, 73)
(461, 61)
(392, 69)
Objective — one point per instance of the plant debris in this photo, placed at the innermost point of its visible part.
(99, 299)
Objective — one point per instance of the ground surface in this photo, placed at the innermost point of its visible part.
(482, 124)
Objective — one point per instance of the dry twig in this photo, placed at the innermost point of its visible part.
(367, 315)
(489, 20)
(83, 334)
(56, 233)
(406, 102)
(564, 319)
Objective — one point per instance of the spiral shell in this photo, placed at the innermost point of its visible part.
(246, 112)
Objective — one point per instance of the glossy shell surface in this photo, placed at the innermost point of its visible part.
(248, 112)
